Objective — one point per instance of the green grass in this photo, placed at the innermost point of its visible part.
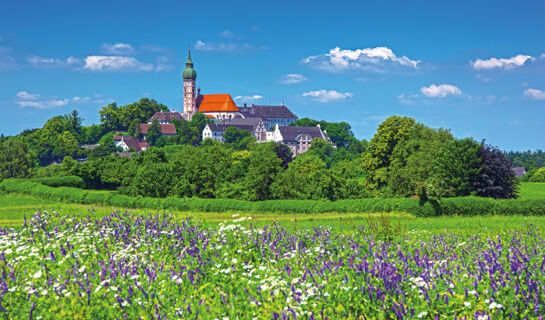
(532, 190)
(14, 207)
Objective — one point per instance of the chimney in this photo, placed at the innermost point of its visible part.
(244, 104)
(198, 92)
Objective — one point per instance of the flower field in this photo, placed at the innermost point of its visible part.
(153, 267)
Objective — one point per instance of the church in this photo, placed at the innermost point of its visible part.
(214, 106)
(265, 122)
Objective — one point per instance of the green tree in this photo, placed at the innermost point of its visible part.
(154, 180)
(376, 163)
(134, 129)
(110, 117)
(412, 160)
(457, 166)
(538, 176)
(199, 121)
(15, 160)
(238, 139)
(186, 132)
(263, 167)
(154, 132)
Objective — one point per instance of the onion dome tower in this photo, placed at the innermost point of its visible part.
(189, 77)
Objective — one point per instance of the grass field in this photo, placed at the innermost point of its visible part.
(532, 190)
(318, 265)
(14, 207)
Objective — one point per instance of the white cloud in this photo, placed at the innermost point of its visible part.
(373, 59)
(441, 91)
(327, 95)
(27, 96)
(293, 78)
(228, 35)
(510, 63)
(117, 48)
(542, 56)
(245, 99)
(115, 63)
(32, 100)
(225, 47)
(534, 94)
(42, 62)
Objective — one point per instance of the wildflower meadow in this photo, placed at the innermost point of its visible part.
(127, 266)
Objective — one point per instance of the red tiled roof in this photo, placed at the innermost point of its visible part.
(166, 128)
(216, 103)
(210, 116)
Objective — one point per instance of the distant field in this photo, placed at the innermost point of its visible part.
(532, 190)
(14, 207)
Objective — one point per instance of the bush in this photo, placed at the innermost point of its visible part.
(462, 206)
(67, 181)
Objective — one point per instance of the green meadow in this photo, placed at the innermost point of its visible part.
(13, 207)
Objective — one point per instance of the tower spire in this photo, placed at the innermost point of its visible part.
(189, 61)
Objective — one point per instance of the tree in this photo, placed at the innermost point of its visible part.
(496, 178)
(186, 133)
(154, 180)
(238, 139)
(307, 178)
(283, 152)
(413, 159)
(154, 132)
(538, 176)
(457, 166)
(376, 163)
(15, 161)
(199, 120)
(110, 117)
(134, 129)
(263, 167)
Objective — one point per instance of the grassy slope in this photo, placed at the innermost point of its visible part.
(532, 190)
(14, 207)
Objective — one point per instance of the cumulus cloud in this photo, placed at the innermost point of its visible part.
(534, 94)
(293, 78)
(327, 95)
(510, 63)
(372, 59)
(441, 91)
(115, 63)
(41, 62)
(225, 47)
(245, 99)
(117, 48)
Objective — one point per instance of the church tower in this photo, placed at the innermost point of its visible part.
(189, 76)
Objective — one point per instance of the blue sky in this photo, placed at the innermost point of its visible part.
(475, 67)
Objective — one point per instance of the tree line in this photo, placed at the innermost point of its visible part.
(403, 159)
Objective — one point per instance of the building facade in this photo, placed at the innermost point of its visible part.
(298, 139)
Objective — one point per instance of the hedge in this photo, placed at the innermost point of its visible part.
(464, 206)
(67, 181)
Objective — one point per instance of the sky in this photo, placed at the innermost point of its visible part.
(476, 67)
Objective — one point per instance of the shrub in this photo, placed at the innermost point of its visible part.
(464, 206)
(67, 181)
